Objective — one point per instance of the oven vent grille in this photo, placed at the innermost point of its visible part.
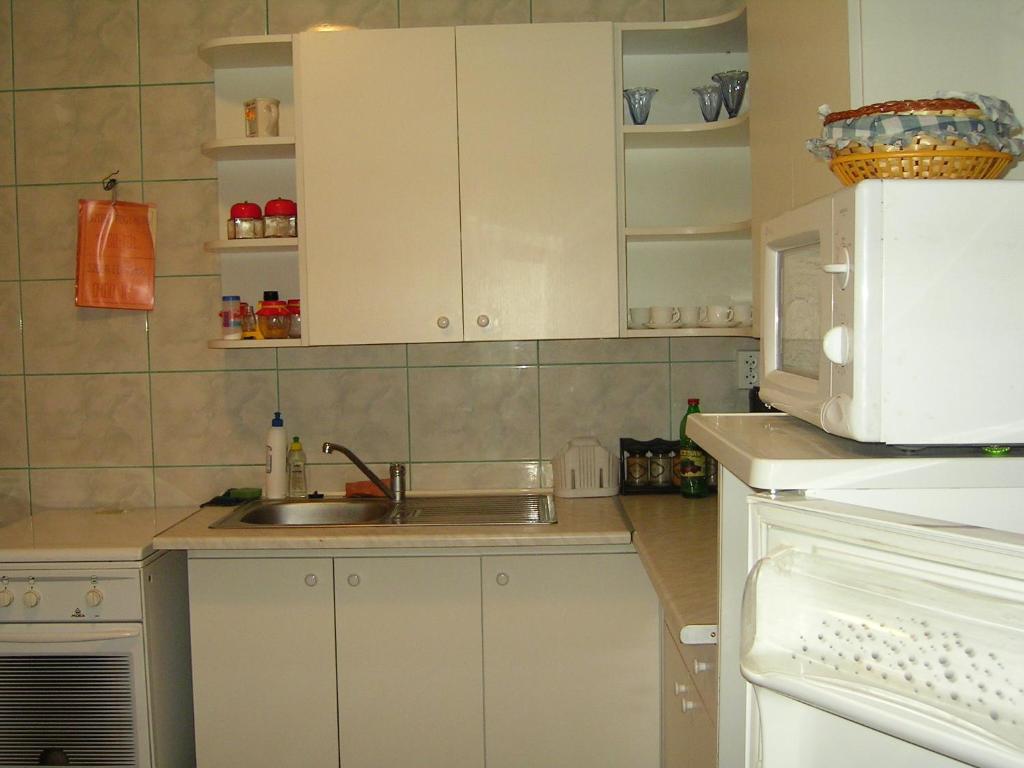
(67, 710)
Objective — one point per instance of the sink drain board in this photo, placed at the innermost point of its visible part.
(478, 510)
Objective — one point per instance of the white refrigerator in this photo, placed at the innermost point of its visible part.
(871, 600)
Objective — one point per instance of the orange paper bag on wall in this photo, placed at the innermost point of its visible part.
(116, 254)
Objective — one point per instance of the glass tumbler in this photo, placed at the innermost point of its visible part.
(733, 84)
(710, 98)
(639, 102)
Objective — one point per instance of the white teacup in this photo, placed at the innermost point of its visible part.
(639, 317)
(689, 316)
(742, 313)
(664, 317)
(714, 315)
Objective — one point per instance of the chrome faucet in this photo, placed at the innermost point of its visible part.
(397, 490)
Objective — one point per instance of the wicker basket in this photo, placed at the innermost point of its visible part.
(925, 157)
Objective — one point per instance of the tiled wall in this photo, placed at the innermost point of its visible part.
(105, 408)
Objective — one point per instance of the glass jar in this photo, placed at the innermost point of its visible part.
(274, 320)
(636, 469)
(661, 469)
(245, 222)
(280, 218)
(295, 329)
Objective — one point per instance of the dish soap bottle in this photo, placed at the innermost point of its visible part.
(296, 470)
(275, 479)
(693, 477)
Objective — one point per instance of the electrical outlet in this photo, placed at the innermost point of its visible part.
(748, 364)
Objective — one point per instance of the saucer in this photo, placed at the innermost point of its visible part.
(653, 326)
(709, 324)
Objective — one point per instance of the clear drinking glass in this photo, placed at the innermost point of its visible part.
(710, 98)
(733, 85)
(639, 102)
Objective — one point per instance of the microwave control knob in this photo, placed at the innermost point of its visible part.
(30, 599)
(6, 597)
(93, 598)
(836, 344)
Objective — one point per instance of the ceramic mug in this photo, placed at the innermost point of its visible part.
(715, 315)
(742, 313)
(639, 317)
(664, 317)
(689, 316)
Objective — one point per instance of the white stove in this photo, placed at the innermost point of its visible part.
(94, 643)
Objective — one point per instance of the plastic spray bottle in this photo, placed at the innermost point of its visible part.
(275, 479)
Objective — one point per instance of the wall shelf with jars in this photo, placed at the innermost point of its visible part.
(253, 168)
(684, 181)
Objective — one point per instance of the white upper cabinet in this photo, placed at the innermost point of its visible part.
(377, 151)
(537, 175)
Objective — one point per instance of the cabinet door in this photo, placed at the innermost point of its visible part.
(377, 150)
(571, 672)
(537, 170)
(677, 693)
(263, 662)
(409, 662)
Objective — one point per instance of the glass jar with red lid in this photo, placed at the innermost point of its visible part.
(245, 222)
(274, 319)
(280, 218)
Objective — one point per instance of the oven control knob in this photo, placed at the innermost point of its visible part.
(836, 344)
(93, 598)
(6, 597)
(30, 599)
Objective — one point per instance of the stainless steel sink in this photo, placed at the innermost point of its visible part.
(517, 509)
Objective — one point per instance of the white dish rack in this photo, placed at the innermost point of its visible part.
(585, 468)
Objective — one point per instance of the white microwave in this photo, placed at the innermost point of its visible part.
(893, 312)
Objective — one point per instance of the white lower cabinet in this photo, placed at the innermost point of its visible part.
(688, 729)
(570, 661)
(427, 660)
(263, 662)
(409, 662)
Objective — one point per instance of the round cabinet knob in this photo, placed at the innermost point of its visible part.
(443, 322)
(700, 666)
(502, 579)
(836, 344)
(353, 579)
(681, 689)
(483, 321)
(93, 598)
(311, 580)
(688, 706)
(6, 597)
(30, 599)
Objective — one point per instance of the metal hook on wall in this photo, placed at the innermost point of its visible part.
(110, 185)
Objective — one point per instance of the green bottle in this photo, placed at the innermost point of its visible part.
(693, 465)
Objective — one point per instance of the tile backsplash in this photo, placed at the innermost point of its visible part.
(108, 408)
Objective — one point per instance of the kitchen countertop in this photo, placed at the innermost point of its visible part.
(85, 535)
(597, 521)
(677, 540)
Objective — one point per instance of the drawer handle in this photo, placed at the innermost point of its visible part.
(310, 579)
(681, 689)
(502, 579)
(483, 321)
(443, 322)
(700, 666)
(687, 706)
(353, 580)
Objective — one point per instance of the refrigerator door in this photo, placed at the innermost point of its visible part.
(873, 636)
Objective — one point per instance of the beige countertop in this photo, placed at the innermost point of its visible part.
(597, 521)
(84, 535)
(677, 542)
